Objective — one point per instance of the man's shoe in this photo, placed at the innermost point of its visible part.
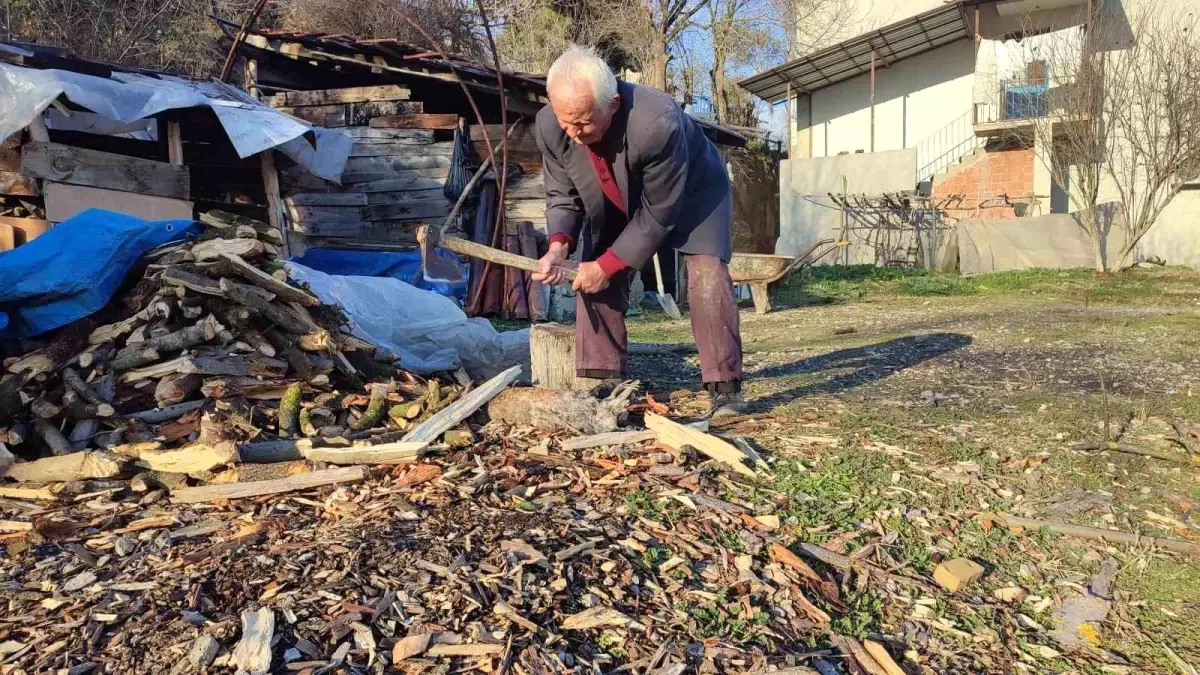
(727, 405)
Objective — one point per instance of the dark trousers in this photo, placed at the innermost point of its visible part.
(601, 343)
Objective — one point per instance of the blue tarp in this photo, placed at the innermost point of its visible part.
(405, 266)
(73, 270)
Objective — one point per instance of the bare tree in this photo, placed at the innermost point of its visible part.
(741, 32)
(453, 23)
(1119, 120)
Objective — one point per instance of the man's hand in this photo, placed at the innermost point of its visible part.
(590, 278)
(550, 266)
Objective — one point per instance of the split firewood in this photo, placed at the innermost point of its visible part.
(148, 351)
(675, 435)
(215, 249)
(167, 413)
(31, 366)
(403, 452)
(277, 315)
(32, 494)
(76, 383)
(113, 331)
(19, 433)
(198, 283)
(289, 411)
(76, 466)
(105, 389)
(254, 365)
(302, 364)
(189, 459)
(281, 289)
(250, 387)
(561, 409)
(374, 411)
(259, 488)
(54, 438)
(222, 220)
(158, 370)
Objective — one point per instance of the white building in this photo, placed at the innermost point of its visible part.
(943, 100)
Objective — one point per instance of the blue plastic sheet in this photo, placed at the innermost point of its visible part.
(405, 266)
(74, 269)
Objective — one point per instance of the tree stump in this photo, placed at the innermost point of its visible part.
(552, 357)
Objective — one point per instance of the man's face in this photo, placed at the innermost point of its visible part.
(578, 116)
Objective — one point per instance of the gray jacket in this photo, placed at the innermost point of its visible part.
(672, 177)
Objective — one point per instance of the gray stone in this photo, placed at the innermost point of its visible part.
(204, 651)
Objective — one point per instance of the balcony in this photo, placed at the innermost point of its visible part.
(1020, 103)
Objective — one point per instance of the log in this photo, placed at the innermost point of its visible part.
(611, 438)
(302, 365)
(44, 409)
(192, 458)
(176, 388)
(374, 411)
(189, 280)
(76, 383)
(270, 487)
(1097, 534)
(157, 370)
(148, 351)
(167, 413)
(250, 387)
(289, 411)
(76, 466)
(106, 390)
(277, 315)
(253, 365)
(270, 452)
(429, 430)
(216, 249)
(576, 411)
(19, 433)
(552, 357)
(675, 435)
(387, 453)
(281, 289)
(54, 438)
(92, 168)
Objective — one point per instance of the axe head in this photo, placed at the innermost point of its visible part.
(435, 268)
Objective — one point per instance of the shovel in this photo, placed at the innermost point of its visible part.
(664, 300)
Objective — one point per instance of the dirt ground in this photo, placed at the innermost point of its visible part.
(903, 411)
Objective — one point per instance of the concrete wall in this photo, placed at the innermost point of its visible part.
(807, 214)
(914, 99)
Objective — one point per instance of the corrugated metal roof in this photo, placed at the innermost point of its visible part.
(901, 40)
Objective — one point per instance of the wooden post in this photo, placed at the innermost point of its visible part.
(845, 236)
(552, 356)
(252, 78)
(788, 108)
(174, 143)
(872, 100)
(275, 210)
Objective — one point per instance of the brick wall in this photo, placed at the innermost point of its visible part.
(978, 189)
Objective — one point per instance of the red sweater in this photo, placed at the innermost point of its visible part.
(608, 261)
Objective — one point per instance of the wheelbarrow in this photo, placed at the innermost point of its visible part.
(761, 270)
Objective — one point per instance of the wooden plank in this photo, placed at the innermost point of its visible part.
(275, 208)
(66, 164)
(453, 414)
(526, 186)
(296, 180)
(304, 481)
(174, 143)
(405, 211)
(526, 209)
(326, 199)
(386, 453)
(383, 92)
(380, 176)
(18, 185)
(351, 114)
(418, 159)
(417, 121)
(401, 149)
(26, 230)
(374, 135)
(522, 134)
(344, 218)
(406, 196)
(65, 201)
(675, 435)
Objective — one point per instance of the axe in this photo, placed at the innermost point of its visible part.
(441, 270)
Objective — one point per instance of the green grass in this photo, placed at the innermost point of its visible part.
(721, 619)
(826, 284)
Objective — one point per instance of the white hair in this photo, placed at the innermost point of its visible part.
(581, 65)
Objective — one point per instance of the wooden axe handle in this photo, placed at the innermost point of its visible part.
(470, 248)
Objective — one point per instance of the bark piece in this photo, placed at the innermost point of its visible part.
(167, 413)
(253, 652)
(413, 645)
(452, 415)
(76, 466)
(675, 435)
(270, 487)
(955, 574)
(597, 617)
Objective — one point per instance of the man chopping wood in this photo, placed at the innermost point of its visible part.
(627, 173)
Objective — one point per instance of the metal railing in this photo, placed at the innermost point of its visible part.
(946, 146)
(1018, 99)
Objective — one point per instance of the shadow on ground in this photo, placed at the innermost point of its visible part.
(847, 368)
